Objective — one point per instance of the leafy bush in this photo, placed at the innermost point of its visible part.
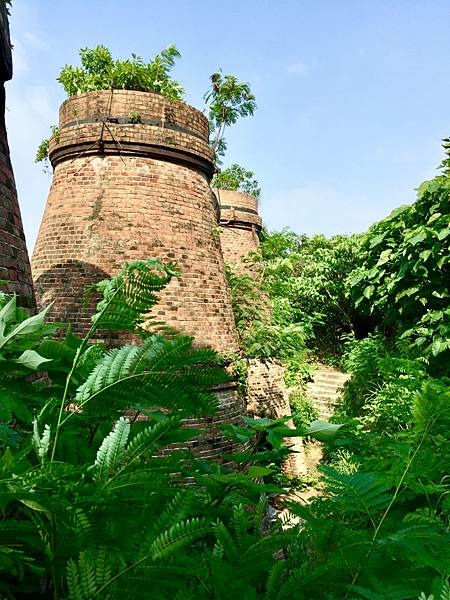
(307, 276)
(383, 385)
(42, 151)
(262, 332)
(236, 178)
(403, 279)
(99, 71)
(302, 409)
(376, 532)
(92, 504)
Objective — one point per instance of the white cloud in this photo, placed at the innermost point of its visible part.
(298, 68)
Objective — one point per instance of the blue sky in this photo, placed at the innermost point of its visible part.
(353, 95)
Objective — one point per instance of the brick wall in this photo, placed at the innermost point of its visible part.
(14, 261)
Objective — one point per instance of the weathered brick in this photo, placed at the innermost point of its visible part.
(123, 191)
(240, 224)
(14, 262)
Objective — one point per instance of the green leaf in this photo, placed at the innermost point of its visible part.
(25, 328)
(368, 291)
(439, 346)
(255, 471)
(7, 316)
(323, 431)
(377, 239)
(384, 257)
(443, 233)
(419, 237)
(425, 254)
(31, 359)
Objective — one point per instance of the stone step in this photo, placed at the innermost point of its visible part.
(326, 378)
(332, 387)
(325, 390)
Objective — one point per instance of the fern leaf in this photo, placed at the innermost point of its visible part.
(160, 373)
(87, 575)
(102, 566)
(111, 450)
(175, 511)
(154, 437)
(274, 579)
(226, 541)
(357, 492)
(181, 534)
(15, 400)
(41, 443)
(385, 592)
(73, 581)
(129, 295)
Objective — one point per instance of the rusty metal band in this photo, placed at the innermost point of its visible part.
(238, 224)
(239, 209)
(110, 148)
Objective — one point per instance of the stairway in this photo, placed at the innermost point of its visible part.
(325, 389)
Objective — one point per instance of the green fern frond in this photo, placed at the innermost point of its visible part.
(445, 592)
(73, 581)
(357, 492)
(218, 551)
(161, 373)
(385, 592)
(274, 579)
(176, 510)
(258, 557)
(88, 361)
(41, 442)
(87, 575)
(241, 522)
(102, 566)
(226, 541)
(111, 450)
(260, 512)
(181, 534)
(154, 437)
(423, 545)
(129, 295)
(161, 581)
(16, 400)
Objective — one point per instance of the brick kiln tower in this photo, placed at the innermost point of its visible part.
(267, 394)
(240, 223)
(131, 181)
(14, 261)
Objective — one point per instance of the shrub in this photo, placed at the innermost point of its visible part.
(236, 178)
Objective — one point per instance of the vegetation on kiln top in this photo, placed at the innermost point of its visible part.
(99, 71)
(237, 179)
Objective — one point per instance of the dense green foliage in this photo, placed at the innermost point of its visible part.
(307, 281)
(89, 505)
(236, 178)
(99, 71)
(385, 488)
(91, 508)
(403, 279)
